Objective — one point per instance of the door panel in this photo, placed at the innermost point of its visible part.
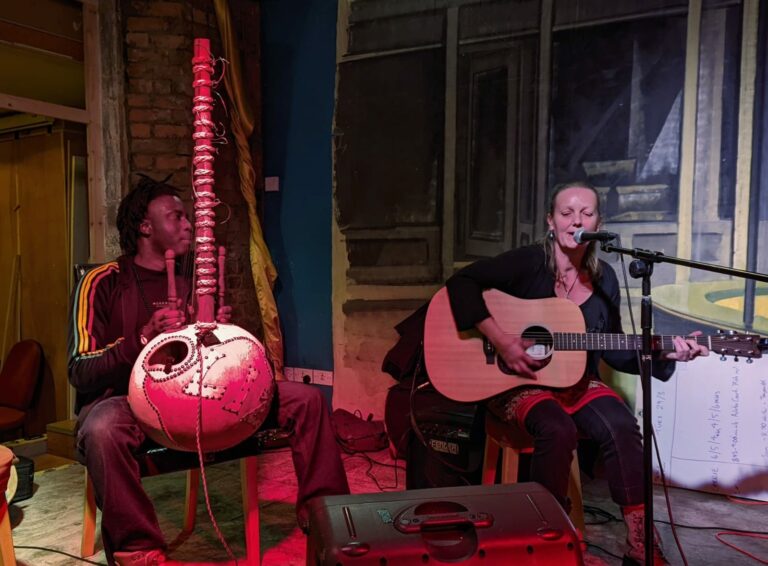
(9, 319)
(495, 145)
(43, 243)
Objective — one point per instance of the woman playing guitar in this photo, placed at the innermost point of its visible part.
(561, 267)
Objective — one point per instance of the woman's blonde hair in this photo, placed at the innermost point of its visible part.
(590, 262)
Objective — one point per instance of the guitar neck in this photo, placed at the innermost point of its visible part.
(601, 341)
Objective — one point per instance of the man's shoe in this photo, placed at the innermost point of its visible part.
(154, 557)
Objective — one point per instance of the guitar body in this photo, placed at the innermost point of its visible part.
(464, 367)
(458, 366)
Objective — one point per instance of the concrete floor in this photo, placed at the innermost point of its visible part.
(284, 545)
(709, 513)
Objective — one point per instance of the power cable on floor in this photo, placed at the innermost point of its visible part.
(370, 474)
(601, 549)
(53, 550)
(719, 536)
(666, 497)
(608, 517)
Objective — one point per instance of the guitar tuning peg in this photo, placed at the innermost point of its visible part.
(722, 357)
(750, 360)
(735, 358)
(719, 331)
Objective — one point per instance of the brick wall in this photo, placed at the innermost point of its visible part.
(158, 96)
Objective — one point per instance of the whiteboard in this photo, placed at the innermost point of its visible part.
(711, 423)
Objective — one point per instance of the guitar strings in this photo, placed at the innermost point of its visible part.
(617, 335)
(602, 335)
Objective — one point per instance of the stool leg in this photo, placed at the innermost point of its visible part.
(87, 542)
(190, 500)
(7, 555)
(574, 494)
(250, 485)
(490, 459)
(510, 460)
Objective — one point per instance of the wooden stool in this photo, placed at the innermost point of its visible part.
(7, 555)
(157, 460)
(513, 441)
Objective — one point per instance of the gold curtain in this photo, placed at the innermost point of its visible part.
(262, 268)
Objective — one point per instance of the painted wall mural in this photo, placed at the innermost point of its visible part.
(477, 109)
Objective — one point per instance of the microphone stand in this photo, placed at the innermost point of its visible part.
(642, 266)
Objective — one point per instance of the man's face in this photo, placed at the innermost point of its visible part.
(167, 226)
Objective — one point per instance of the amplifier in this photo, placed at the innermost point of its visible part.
(494, 525)
(454, 430)
(447, 447)
(25, 470)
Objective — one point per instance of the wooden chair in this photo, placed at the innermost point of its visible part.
(512, 441)
(155, 460)
(19, 379)
(7, 555)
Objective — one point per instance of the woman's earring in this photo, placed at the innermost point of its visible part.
(550, 235)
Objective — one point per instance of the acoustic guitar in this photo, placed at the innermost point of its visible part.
(464, 366)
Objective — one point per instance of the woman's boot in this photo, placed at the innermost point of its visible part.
(634, 518)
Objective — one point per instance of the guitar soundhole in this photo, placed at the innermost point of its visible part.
(542, 342)
(541, 349)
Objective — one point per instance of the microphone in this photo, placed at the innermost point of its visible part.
(582, 237)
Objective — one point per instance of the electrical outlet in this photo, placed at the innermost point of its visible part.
(304, 375)
(272, 184)
(323, 377)
(308, 375)
(289, 373)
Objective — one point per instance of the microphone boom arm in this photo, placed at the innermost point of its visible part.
(644, 260)
(658, 257)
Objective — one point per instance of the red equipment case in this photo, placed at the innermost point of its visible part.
(490, 525)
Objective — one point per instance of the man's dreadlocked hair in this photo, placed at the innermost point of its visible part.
(133, 209)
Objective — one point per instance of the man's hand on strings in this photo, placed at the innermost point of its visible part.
(224, 314)
(687, 348)
(165, 319)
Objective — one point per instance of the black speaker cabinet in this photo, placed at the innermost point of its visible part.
(25, 469)
(491, 525)
(447, 450)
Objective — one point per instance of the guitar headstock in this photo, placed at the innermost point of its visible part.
(737, 344)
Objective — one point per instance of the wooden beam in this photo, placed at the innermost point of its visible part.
(745, 139)
(371, 11)
(342, 33)
(688, 140)
(93, 102)
(22, 35)
(449, 141)
(114, 166)
(31, 106)
(390, 52)
(542, 114)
